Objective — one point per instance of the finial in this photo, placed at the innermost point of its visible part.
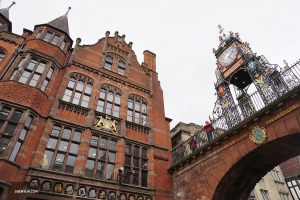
(214, 50)
(209, 118)
(68, 11)
(13, 3)
(286, 64)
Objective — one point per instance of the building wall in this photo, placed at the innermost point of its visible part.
(54, 116)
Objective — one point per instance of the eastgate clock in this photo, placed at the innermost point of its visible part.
(228, 56)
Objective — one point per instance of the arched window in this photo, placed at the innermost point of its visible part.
(121, 68)
(137, 109)
(108, 62)
(78, 90)
(109, 100)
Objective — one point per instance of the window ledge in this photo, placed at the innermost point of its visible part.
(137, 127)
(73, 107)
(9, 162)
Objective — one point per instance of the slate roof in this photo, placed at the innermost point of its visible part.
(61, 23)
(5, 11)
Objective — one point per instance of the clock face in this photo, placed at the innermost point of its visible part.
(228, 56)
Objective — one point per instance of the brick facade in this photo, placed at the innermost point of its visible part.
(42, 96)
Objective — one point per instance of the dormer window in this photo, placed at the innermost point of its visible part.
(108, 63)
(121, 68)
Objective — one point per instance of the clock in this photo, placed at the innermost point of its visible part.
(228, 56)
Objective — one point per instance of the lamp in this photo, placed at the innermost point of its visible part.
(121, 174)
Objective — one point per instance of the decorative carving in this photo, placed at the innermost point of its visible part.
(138, 98)
(106, 124)
(70, 189)
(116, 56)
(111, 88)
(258, 135)
(137, 127)
(82, 77)
(46, 186)
(58, 188)
(34, 184)
(116, 49)
(73, 108)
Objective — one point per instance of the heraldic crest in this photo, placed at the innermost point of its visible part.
(106, 124)
(258, 135)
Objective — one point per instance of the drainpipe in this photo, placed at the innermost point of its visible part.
(12, 60)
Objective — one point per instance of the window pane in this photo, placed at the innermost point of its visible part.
(10, 129)
(109, 171)
(74, 148)
(102, 93)
(137, 118)
(135, 178)
(58, 162)
(100, 170)
(121, 71)
(34, 80)
(129, 115)
(108, 59)
(52, 143)
(89, 168)
(111, 156)
(71, 83)
(103, 142)
(79, 86)
(62, 46)
(23, 134)
(16, 116)
(38, 34)
(116, 111)
(15, 151)
(50, 72)
(55, 39)
(117, 99)
(86, 98)
(100, 106)
(136, 151)
(45, 83)
(108, 108)
(144, 108)
(102, 155)
(110, 96)
(63, 146)
(41, 67)
(24, 77)
(88, 89)
(136, 162)
(77, 136)
(94, 140)
(137, 106)
(3, 144)
(28, 121)
(128, 149)
(70, 164)
(31, 64)
(107, 66)
(66, 134)
(55, 130)
(92, 153)
(144, 178)
(121, 64)
(47, 159)
(144, 153)
(47, 36)
(130, 103)
(4, 113)
(144, 120)
(128, 160)
(144, 164)
(112, 145)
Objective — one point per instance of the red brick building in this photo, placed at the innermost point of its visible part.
(82, 122)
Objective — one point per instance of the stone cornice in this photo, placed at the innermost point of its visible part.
(110, 77)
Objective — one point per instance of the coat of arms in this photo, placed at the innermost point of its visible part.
(258, 135)
(106, 124)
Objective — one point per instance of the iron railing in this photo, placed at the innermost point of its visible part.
(291, 76)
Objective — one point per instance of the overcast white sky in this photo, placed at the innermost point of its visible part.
(180, 33)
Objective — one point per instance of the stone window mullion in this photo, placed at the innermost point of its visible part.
(21, 67)
(61, 39)
(43, 75)
(43, 33)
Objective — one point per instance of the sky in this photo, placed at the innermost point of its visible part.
(182, 34)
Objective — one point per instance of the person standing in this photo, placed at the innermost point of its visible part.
(208, 130)
(193, 144)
